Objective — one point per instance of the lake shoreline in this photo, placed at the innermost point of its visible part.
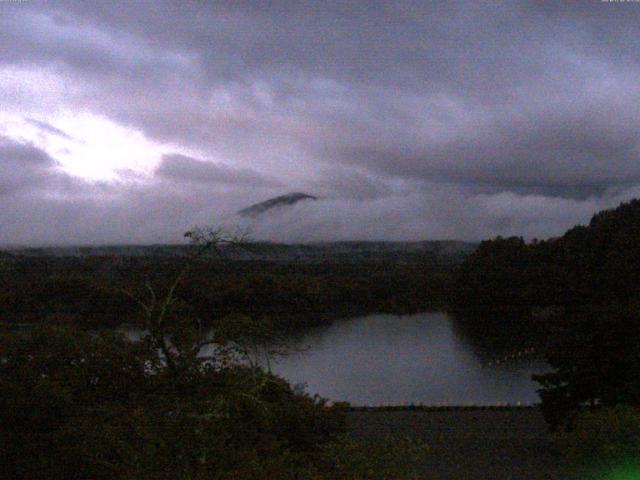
(380, 360)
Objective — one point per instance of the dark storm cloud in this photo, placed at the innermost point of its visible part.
(520, 114)
(579, 156)
(25, 169)
(515, 79)
(47, 34)
(24, 155)
(179, 168)
(23, 166)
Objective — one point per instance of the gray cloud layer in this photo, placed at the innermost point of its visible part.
(411, 119)
(179, 168)
(25, 169)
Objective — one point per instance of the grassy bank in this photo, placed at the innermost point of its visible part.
(468, 443)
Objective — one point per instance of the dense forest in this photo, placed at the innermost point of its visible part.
(95, 291)
(80, 400)
(574, 297)
(597, 264)
(78, 403)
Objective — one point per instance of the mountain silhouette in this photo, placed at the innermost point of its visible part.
(276, 202)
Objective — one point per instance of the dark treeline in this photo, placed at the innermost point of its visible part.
(575, 297)
(589, 265)
(93, 290)
(77, 404)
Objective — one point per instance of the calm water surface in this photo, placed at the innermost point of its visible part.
(388, 359)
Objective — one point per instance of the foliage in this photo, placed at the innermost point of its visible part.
(603, 441)
(78, 405)
(507, 273)
(575, 296)
(504, 293)
(75, 405)
(595, 355)
(386, 458)
(89, 290)
(589, 265)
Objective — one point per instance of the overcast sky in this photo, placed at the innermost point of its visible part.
(130, 122)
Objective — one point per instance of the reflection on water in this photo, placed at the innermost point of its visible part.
(386, 359)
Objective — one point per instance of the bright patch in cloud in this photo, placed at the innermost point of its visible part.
(102, 147)
(87, 145)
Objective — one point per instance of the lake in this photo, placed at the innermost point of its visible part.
(400, 360)
(389, 359)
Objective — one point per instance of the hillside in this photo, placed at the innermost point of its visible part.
(593, 264)
(573, 298)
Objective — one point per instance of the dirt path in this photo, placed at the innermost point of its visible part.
(470, 444)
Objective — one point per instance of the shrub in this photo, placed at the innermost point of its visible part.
(604, 441)
(77, 405)
(386, 458)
